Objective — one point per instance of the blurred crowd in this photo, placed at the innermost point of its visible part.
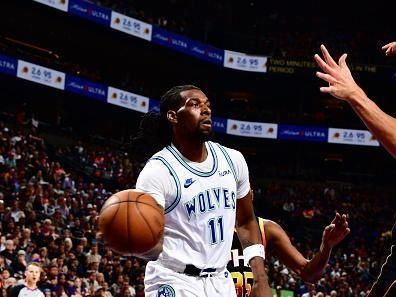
(48, 215)
(102, 163)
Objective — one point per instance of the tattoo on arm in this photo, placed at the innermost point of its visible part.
(245, 241)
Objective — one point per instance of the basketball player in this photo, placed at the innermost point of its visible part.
(204, 189)
(29, 288)
(276, 242)
(383, 126)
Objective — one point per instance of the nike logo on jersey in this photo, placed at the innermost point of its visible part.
(189, 182)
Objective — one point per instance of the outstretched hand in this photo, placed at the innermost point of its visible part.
(336, 231)
(341, 83)
(390, 48)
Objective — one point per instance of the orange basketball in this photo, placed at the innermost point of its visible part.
(131, 222)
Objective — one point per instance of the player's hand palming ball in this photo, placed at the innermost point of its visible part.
(131, 222)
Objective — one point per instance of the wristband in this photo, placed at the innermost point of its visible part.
(255, 250)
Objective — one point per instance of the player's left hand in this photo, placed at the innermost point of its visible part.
(260, 289)
(336, 231)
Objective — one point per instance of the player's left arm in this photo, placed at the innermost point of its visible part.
(333, 234)
(247, 228)
(308, 270)
(250, 237)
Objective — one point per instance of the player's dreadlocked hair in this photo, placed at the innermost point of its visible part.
(155, 131)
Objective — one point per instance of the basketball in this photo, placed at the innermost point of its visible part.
(131, 222)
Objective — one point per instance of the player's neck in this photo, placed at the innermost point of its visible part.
(193, 151)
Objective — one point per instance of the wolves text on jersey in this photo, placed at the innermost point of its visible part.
(210, 200)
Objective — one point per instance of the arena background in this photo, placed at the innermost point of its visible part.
(68, 149)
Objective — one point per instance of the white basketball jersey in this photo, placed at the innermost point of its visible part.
(199, 207)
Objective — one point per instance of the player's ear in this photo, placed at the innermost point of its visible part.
(171, 115)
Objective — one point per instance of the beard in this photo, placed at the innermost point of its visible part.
(205, 135)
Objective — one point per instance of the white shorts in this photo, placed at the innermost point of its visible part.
(163, 282)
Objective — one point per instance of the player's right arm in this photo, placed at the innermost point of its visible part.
(154, 179)
(308, 270)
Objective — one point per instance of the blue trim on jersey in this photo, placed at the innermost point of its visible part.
(176, 154)
(176, 179)
(228, 158)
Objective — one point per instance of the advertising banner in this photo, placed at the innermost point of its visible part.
(219, 124)
(187, 46)
(8, 65)
(154, 105)
(302, 133)
(128, 100)
(349, 136)
(170, 40)
(85, 87)
(206, 52)
(241, 61)
(90, 11)
(59, 80)
(58, 4)
(131, 26)
(252, 129)
(41, 75)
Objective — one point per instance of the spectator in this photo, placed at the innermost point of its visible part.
(9, 283)
(19, 266)
(77, 288)
(117, 286)
(25, 239)
(93, 255)
(9, 252)
(43, 254)
(16, 212)
(92, 283)
(126, 289)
